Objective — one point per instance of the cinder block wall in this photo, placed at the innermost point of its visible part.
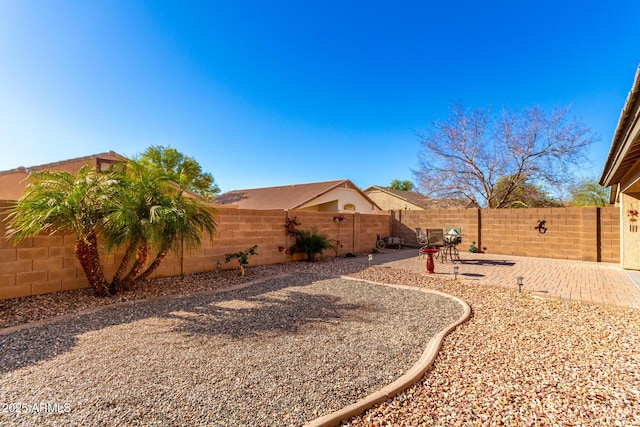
(45, 263)
(586, 234)
(408, 221)
(39, 265)
(610, 234)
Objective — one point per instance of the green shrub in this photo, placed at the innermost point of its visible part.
(242, 256)
(310, 243)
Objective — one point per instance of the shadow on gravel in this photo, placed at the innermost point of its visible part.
(236, 313)
(255, 315)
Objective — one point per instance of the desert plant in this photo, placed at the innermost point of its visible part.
(64, 202)
(242, 256)
(132, 206)
(310, 243)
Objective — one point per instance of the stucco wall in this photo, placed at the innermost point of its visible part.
(337, 198)
(389, 202)
(630, 227)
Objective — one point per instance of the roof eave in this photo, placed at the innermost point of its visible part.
(620, 145)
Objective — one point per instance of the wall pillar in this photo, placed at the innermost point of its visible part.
(629, 231)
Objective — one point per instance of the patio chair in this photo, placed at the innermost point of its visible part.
(421, 237)
(452, 239)
(422, 240)
(435, 238)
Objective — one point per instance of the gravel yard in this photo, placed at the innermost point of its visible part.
(280, 352)
(521, 361)
(517, 361)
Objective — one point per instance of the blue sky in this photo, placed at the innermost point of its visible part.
(271, 93)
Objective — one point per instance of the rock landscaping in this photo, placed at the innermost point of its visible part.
(299, 343)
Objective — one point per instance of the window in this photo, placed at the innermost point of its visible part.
(349, 207)
(105, 165)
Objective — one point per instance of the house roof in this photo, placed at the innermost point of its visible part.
(425, 202)
(625, 147)
(54, 165)
(284, 197)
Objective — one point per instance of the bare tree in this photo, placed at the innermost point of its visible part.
(486, 158)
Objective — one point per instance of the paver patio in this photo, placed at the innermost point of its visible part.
(586, 282)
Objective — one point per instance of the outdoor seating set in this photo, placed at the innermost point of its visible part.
(436, 242)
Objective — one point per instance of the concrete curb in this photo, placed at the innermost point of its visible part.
(409, 378)
(412, 376)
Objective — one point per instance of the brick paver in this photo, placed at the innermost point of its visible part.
(587, 282)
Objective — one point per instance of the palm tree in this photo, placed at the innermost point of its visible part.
(184, 222)
(152, 213)
(136, 206)
(130, 221)
(62, 202)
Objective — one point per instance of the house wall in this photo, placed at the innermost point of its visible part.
(389, 202)
(629, 199)
(13, 182)
(341, 196)
(630, 229)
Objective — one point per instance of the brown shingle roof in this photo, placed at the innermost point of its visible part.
(284, 196)
(425, 202)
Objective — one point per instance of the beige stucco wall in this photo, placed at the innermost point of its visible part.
(12, 185)
(629, 231)
(388, 202)
(338, 198)
(629, 199)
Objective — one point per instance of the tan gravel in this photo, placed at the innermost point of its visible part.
(28, 309)
(281, 351)
(522, 361)
(518, 361)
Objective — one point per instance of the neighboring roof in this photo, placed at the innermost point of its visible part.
(425, 202)
(285, 196)
(625, 149)
(63, 162)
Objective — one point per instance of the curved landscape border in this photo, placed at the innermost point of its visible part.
(411, 377)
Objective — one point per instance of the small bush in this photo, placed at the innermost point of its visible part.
(242, 256)
(310, 243)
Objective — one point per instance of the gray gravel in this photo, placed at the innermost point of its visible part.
(518, 361)
(277, 353)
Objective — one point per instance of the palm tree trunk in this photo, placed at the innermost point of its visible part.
(115, 283)
(155, 264)
(138, 265)
(89, 257)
